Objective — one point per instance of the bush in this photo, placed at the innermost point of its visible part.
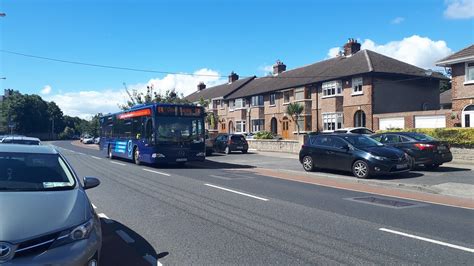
(263, 135)
(460, 137)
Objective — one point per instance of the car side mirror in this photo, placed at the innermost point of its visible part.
(90, 182)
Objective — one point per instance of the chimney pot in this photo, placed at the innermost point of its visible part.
(201, 86)
(233, 77)
(278, 67)
(351, 47)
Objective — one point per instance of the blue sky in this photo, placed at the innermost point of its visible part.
(209, 36)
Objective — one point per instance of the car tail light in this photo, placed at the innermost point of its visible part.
(424, 146)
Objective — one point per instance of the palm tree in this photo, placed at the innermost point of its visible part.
(295, 110)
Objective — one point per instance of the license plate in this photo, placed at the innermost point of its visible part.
(240, 147)
(441, 148)
(181, 160)
(402, 166)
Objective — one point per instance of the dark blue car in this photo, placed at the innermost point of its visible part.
(359, 154)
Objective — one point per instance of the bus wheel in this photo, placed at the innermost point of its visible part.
(136, 156)
(109, 152)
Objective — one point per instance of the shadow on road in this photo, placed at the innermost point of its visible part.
(123, 246)
(374, 177)
(443, 169)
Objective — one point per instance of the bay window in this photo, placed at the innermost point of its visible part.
(332, 121)
(239, 103)
(332, 88)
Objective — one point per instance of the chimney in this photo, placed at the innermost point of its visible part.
(351, 47)
(201, 86)
(233, 77)
(278, 67)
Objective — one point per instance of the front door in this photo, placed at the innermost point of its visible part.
(468, 116)
(285, 127)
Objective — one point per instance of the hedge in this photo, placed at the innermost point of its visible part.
(458, 137)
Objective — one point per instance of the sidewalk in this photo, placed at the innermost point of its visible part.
(453, 179)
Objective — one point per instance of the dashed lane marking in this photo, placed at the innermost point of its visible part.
(125, 236)
(156, 172)
(95, 157)
(95, 207)
(427, 240)
(122, 164)
(236, 192)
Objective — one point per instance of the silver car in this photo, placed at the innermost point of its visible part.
(46, 217)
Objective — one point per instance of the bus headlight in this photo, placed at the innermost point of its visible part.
(157, 155)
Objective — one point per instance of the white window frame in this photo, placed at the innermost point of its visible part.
(258, 127)
(231, 105)
(329, 118)
(256, 101)
(357, 86)
(242, 126)
(289, 97)
(466, 72)
(273, 95)
(239, 103)
(328, 86)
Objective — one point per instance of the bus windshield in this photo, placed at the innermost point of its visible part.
(178, 129)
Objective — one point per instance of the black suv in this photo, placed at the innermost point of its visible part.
(230, 142)
(421, 148)
(352, 152)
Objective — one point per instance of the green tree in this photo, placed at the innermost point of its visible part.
(150, 96)
(295, 110)
(56, 117)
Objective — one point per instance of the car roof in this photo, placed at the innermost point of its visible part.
(21, 138)
(335, 134)
(20, 148)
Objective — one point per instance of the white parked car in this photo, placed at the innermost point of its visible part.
(88, 140)
(355, 130)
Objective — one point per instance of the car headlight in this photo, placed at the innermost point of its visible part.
(380, 158)
(80, 232)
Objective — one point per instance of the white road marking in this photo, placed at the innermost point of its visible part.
(220, 177)
(122, 164)
(428, 240)
(156, 172)
(102, 215)
(125, 236)
(95, 207)
(97, 158)
(237, 192)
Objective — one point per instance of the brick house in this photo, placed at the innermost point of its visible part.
(345, 91)
(215, 96)
(462, 86)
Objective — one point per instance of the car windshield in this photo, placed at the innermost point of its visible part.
(237, 138)
(21, 141)
(360, 141)
(421, 137)
(177, 129)
(34, 172)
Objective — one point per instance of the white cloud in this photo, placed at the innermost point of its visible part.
(85, 104)
(419, 51)
(265, 69)
(459, 9)
(415, 50)
(397, 20)
(46, 90)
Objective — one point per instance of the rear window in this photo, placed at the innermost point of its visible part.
(421, 137)
(34, 172)
(237, 138)
(21, 141)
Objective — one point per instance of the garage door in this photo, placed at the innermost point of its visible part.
(430, 121)
(394, 122)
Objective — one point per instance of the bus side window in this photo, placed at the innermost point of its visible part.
(149, 130)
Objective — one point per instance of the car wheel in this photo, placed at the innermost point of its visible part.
(431, 166)
(411, 162)
(136, 156)
(227, 150)
(244, 151)
(308, 163)
(109, 152)
(360, 169)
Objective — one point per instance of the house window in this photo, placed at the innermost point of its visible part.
(304, 123)
(257, 100)
(258, 125)
(240, 127)
(272, 99)
(222, 104)
(223, 126)
(332, 88)
(216, 103)
(359, 119)
(470, 72)
(299, 94)
(286, 96)
(357, 86)
(231, 104)
(332, 121)
(239, 103)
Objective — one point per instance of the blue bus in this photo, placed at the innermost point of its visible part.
(155, 133)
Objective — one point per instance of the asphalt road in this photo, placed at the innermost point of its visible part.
(218, 213)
